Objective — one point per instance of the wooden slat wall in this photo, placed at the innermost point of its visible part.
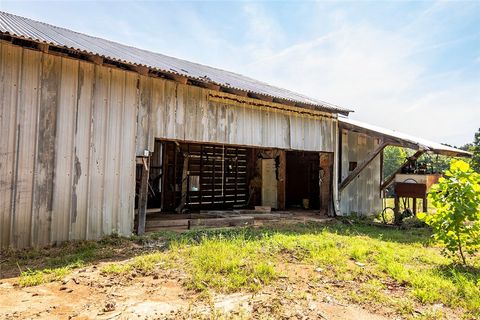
(67, 156)
(362, 195)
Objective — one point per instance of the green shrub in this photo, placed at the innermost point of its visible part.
(456, 223)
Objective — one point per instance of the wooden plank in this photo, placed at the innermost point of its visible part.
(167, 223)
(220, 222)
(64, 144)
(10, 67)
(97, 151)
(26, 125)
(46, 150)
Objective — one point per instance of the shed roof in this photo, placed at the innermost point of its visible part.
(25, 28)
(402, 139)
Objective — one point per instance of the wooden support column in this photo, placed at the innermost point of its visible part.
(282, 170)
(143, 197)
(361, 166)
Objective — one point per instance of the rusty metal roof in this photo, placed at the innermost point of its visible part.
(21, 27)
(402, 138)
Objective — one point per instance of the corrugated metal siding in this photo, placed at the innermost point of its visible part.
(172, 110)
(67, 157)
(42, 32)
(362, 195)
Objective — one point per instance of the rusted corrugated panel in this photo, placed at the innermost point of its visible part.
(362, 195)
(68, 162)
(42, 32)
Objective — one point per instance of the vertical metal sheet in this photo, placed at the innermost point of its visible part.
(362, 195)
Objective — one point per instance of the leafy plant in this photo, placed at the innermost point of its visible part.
(456, 223)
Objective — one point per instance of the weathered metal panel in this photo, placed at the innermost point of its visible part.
(64, 145)
(97, 151)
(10, 66)
(27, 109)
(81, 155)
(126, 178)
(362, 195)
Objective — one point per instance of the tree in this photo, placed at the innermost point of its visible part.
(393, 158)
(475, 149)
(456, 223)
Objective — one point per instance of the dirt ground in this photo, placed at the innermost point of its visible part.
(87, 293)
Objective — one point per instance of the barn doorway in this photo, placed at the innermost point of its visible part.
(308, 180)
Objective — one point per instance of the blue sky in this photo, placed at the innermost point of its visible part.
(408, 66)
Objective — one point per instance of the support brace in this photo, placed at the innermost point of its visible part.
(362, 166)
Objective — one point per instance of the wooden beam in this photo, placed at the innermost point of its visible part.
(43, 47)
(143, 197)
(285, 102)
(234, 91)
(96, 59)
(411, 159)
(144, 71)
(361, 166)
(260, 97)
(176, 77)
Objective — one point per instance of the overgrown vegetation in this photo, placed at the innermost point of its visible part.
(456, 222)
(400, 269)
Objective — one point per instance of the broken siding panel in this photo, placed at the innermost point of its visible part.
(10, 66)
(46, 151)
(26, 138)
(81, 156)
(64, 145)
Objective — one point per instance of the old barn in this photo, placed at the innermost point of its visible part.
(97, 136)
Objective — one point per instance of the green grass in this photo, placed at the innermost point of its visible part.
(368, 259)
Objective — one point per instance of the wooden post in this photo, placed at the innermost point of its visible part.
(414, 205)
(396, 211)
(282, 169)
(143, 197)
(184, 191)
(425, 204)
